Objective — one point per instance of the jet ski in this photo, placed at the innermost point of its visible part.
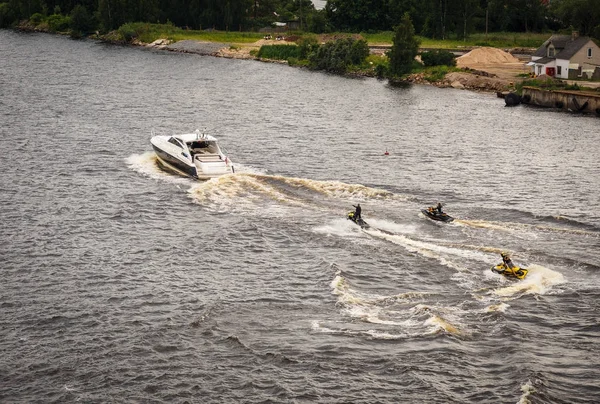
(514, 272)
(433, 214)
(359, 222)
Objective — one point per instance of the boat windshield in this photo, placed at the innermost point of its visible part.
(176, 142)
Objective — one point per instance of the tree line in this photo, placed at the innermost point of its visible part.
(439, 19)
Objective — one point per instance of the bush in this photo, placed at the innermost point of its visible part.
(437, 73)
(59, 23)
(36, 18)
(438, 58)
(307, 45)
(127, 32)
(298, 62)
(278, 52)
(337, 56)
(359, 50)
(380, 71)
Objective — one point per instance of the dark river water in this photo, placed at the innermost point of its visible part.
(123, 283)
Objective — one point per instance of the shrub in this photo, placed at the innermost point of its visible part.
(278, 52)
(380, 71)
(307, 45)
(127, 32)
(297, 62)
(36, 18)
(58, 23)
(438, 58)
(337, 56)
(437, 73)
(359, 50)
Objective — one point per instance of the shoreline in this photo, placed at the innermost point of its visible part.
(470, 79)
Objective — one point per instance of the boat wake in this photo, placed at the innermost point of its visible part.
(540, 281)
(397, 317)
(250, 191)
(524, 228)
(147, 164)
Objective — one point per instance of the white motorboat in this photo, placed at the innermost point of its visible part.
(196, 155)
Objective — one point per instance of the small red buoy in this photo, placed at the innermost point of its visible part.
(386, 153)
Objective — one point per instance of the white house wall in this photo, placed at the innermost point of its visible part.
(564, 68)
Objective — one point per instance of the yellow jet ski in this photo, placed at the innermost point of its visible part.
(358, 221)
(514, 272)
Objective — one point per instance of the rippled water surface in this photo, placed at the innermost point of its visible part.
(124, 283)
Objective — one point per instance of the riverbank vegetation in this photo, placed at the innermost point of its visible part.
(457, 20)
(345, 29)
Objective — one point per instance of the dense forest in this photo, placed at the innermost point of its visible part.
(438, 19)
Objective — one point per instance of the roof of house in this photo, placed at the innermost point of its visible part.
(544, 60)
(565, 46)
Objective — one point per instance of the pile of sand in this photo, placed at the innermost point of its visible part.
(485, 56)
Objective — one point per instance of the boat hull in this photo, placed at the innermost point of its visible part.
(174, 163)
(436, 216)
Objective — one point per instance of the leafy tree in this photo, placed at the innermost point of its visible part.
(516, 15)
(8, 15)
(111, 14)
(404, 48)
(466, 10)
(81, 21)
(358, 15)
(582, 15)
(419, 10)
(317, 22)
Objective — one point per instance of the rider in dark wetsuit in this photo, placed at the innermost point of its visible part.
(507, 261)
(357, 215)
(439, 208)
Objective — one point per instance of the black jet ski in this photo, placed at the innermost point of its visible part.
(359, 222)
(514, 272)
(433, 214)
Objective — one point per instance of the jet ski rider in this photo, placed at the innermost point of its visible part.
(436, 209)
(507, 261)
(357, 215)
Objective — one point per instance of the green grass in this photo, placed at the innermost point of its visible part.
(434, 73)
(379, 38)
(148, 33)
(495, 39)
(218, 36)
